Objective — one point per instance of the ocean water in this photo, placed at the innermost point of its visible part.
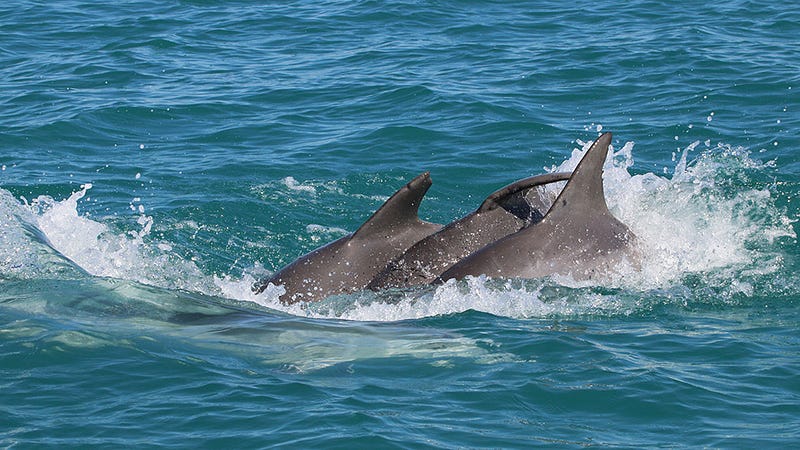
(156, 158)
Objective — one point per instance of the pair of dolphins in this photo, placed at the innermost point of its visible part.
(515, 233)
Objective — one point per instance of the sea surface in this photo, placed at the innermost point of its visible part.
(159, 157)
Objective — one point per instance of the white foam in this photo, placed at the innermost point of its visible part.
(292, 184)
(320, 234)
(98, 250)
(21, 256)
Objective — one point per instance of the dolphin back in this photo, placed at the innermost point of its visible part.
(505, 211)
(578, 236)
(348, 264)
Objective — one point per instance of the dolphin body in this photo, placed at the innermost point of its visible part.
(505, 211)
(577, 237)
(515, 233)
(349, 263)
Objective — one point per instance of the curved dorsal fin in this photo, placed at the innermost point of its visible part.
(584, 190)
(400, 210)
(497, 198)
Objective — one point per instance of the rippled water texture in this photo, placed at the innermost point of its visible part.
(157, 158)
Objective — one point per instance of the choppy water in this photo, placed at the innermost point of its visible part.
(158, 157)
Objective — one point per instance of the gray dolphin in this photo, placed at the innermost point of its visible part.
(578, 236)
(505, 211)
(349, 263)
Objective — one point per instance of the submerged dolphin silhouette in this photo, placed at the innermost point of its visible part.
(505, 211)
(577, 237)
(349, 263)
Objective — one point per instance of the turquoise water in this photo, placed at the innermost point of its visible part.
(158, 157)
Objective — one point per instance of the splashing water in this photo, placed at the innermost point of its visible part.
(93, 247)
(692, 223)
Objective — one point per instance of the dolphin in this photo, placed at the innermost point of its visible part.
(577, 237)
(505, 211)
(349, 263)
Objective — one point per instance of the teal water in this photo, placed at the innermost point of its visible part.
(156, 158)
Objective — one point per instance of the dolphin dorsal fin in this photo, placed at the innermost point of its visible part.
(499, 197)
(401, 210)
(584, 190)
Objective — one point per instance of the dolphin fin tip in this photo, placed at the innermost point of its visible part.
(583, 193)
(402, 207)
